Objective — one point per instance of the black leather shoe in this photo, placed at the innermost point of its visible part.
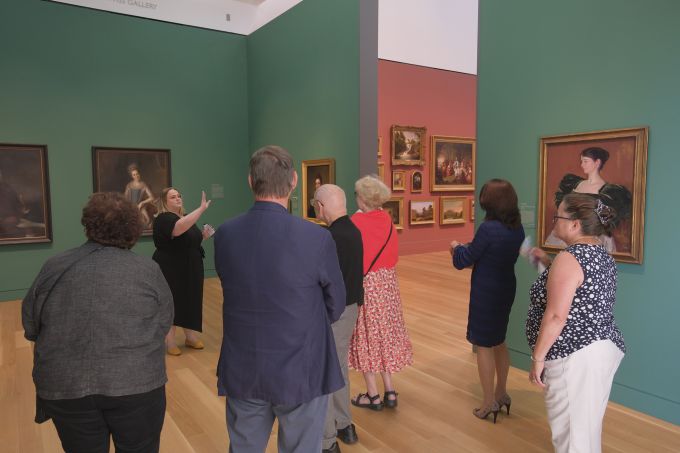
(348, 435)
(335, 448)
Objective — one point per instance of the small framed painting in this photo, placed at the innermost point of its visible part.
(422, 212)
(417, 181)
(452, 210)
(315, 173)
(381, 171)
(408, 145)
(472, 210)
(395, 208)
(398, 180)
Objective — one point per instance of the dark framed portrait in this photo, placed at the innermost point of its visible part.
(408, 144)
(315, 173)
(417, 181)
(452, 163)
(611, 164)
(139, 174)
(24, 195)
(422, 212)
(452, 210)
(395, 208)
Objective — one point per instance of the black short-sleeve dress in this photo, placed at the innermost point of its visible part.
(181, 260)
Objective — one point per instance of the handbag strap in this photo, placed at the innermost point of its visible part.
(381, 250)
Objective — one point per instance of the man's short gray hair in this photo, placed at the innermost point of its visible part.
(372, 191)
(271, 172)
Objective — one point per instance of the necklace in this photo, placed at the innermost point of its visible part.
(588, 240)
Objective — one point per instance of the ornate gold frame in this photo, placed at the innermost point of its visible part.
(400, 201)
(306, 165)
(463, 219)
(433, 148)
(639, 165)
(421, 131)
(423, 222)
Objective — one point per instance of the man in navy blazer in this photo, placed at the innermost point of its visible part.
(282, 289)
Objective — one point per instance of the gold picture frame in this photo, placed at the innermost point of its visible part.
(395, 208)
(422, 212)
(452, 210)
(417, 181)
(379, 146)
(381, 171)
(472, 210)
(322, 170)
(624, 170)
(398, 180)
(407, 145)
(452, 163)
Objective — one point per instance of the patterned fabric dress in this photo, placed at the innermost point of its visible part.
(380, 341)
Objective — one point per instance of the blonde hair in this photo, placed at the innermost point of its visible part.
(372, 191)
(163, 204)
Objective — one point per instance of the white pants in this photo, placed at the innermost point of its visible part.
(576, 396)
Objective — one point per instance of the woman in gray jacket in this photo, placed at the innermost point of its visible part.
(98, 315)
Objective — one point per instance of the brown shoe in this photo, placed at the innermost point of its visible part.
(198, 344)
(173, 351)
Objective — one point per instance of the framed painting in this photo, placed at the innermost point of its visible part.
(416, 181)
(422, 212)
(408, 145)
(139, 174)
(395, 208)
(379, 146)
(381, 171)
(398, 180)
(472, 210)
(452, 210)
(452, 163)
(314, 174)
(24, 195)
(612, 164)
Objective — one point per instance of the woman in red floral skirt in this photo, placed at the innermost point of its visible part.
(380, 342)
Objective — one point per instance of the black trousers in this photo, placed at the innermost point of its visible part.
(85, 425)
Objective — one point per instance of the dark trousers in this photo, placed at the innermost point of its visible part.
(87, 424)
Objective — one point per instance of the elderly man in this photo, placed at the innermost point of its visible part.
(282, 289)
(330, 206)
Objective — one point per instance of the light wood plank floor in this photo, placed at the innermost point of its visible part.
(436, 397)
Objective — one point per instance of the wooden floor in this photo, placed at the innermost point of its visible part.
(437, 394)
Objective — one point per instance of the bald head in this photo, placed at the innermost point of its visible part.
(333, 203)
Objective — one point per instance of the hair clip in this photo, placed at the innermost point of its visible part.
(602, 215)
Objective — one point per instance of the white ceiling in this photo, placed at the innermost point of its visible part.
(234, 16)
(433, 33)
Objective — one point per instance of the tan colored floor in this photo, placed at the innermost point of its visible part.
(436, 398)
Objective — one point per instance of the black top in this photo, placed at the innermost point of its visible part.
(181, 260)
(591, 316)
(350, 250)
(613, 195)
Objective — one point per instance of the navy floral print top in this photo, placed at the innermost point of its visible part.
(591, 316)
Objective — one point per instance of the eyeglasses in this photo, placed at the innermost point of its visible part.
(555, 217)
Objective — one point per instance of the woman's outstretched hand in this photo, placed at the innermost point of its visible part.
(204, 203)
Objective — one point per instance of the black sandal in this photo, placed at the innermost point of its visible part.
(388, 402)
(370, 405)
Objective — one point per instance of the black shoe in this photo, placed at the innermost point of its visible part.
(335, 448)
(348, 435)
(388, 402)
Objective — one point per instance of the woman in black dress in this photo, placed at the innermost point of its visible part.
(180, 256)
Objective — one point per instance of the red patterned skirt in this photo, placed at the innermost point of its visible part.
(380, 342)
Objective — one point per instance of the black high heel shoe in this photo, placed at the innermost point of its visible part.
(505, 401)
(484, 413)
(391, 404)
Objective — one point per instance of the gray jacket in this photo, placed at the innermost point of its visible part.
(101, 328)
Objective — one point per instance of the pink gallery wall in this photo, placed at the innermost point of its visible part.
(445, 103)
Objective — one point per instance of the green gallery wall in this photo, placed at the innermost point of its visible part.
(303, 75)
(565, 67)
(75, 77)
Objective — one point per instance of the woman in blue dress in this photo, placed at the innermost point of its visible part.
(493, 252)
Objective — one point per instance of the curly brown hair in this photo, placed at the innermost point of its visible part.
(110, 219)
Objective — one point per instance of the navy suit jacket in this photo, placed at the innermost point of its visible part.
(282, 289)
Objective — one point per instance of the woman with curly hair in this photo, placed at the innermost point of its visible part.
(98, 315)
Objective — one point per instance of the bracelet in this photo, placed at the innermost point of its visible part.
(535, 360)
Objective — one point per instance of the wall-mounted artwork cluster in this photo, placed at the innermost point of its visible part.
(448, 165)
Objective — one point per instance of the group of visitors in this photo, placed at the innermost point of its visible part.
(301, 305)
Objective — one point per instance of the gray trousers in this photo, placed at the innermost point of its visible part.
(339, 415)
(249, 423)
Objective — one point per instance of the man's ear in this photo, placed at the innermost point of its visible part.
(250, 182)
(295, 180)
